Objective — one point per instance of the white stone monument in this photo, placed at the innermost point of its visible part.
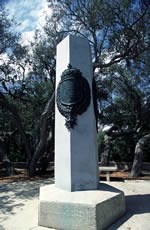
(76, 159)
(76, 201)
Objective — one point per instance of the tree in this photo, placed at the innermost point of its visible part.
(8, 42)
(7, 37)
(112, 33)
(43, 62)
(138, 157)
(126, 108)
(119, 38)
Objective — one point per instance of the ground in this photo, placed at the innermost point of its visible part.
(125, 175)
(21, 175)
(19, 203)
(19, 199)
(114, 176)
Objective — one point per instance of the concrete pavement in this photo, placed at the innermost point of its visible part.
(19, 205)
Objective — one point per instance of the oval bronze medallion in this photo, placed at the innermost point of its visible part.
(72, 96)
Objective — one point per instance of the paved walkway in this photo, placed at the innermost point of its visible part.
(19, 205)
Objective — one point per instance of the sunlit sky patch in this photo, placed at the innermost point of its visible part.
(29, 15)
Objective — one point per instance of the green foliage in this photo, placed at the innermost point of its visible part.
(118, 33)
(32, 110)
(7, 37)
(123, 149)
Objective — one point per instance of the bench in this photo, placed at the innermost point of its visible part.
(108, 169)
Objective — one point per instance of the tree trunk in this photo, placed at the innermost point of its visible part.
(6, 163)
(17, 119)
(105, 156)
(138, 157)
(49, 156)
(43, 135)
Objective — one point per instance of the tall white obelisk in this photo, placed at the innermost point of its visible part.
(76, 159)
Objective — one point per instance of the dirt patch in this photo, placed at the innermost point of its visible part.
(124, 175)
(21, 175)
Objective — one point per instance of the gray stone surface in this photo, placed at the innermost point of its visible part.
(90, 210)
(76, 158)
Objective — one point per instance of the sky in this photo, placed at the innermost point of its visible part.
(29, 15)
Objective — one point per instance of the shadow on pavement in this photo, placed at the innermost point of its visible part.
(14, 195)
(2, 228)
(135, 204)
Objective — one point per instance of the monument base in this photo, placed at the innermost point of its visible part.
(90, 210)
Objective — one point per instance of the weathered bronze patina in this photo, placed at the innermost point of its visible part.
(73, 95)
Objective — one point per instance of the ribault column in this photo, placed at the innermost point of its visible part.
(75, 202)
(76, 159)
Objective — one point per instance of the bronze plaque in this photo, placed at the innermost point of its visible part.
(73, 95)
(71, 91)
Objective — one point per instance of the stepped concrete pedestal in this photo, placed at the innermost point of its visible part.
(81, 210)
(77, 201)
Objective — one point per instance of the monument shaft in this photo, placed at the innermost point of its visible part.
(76, 159)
